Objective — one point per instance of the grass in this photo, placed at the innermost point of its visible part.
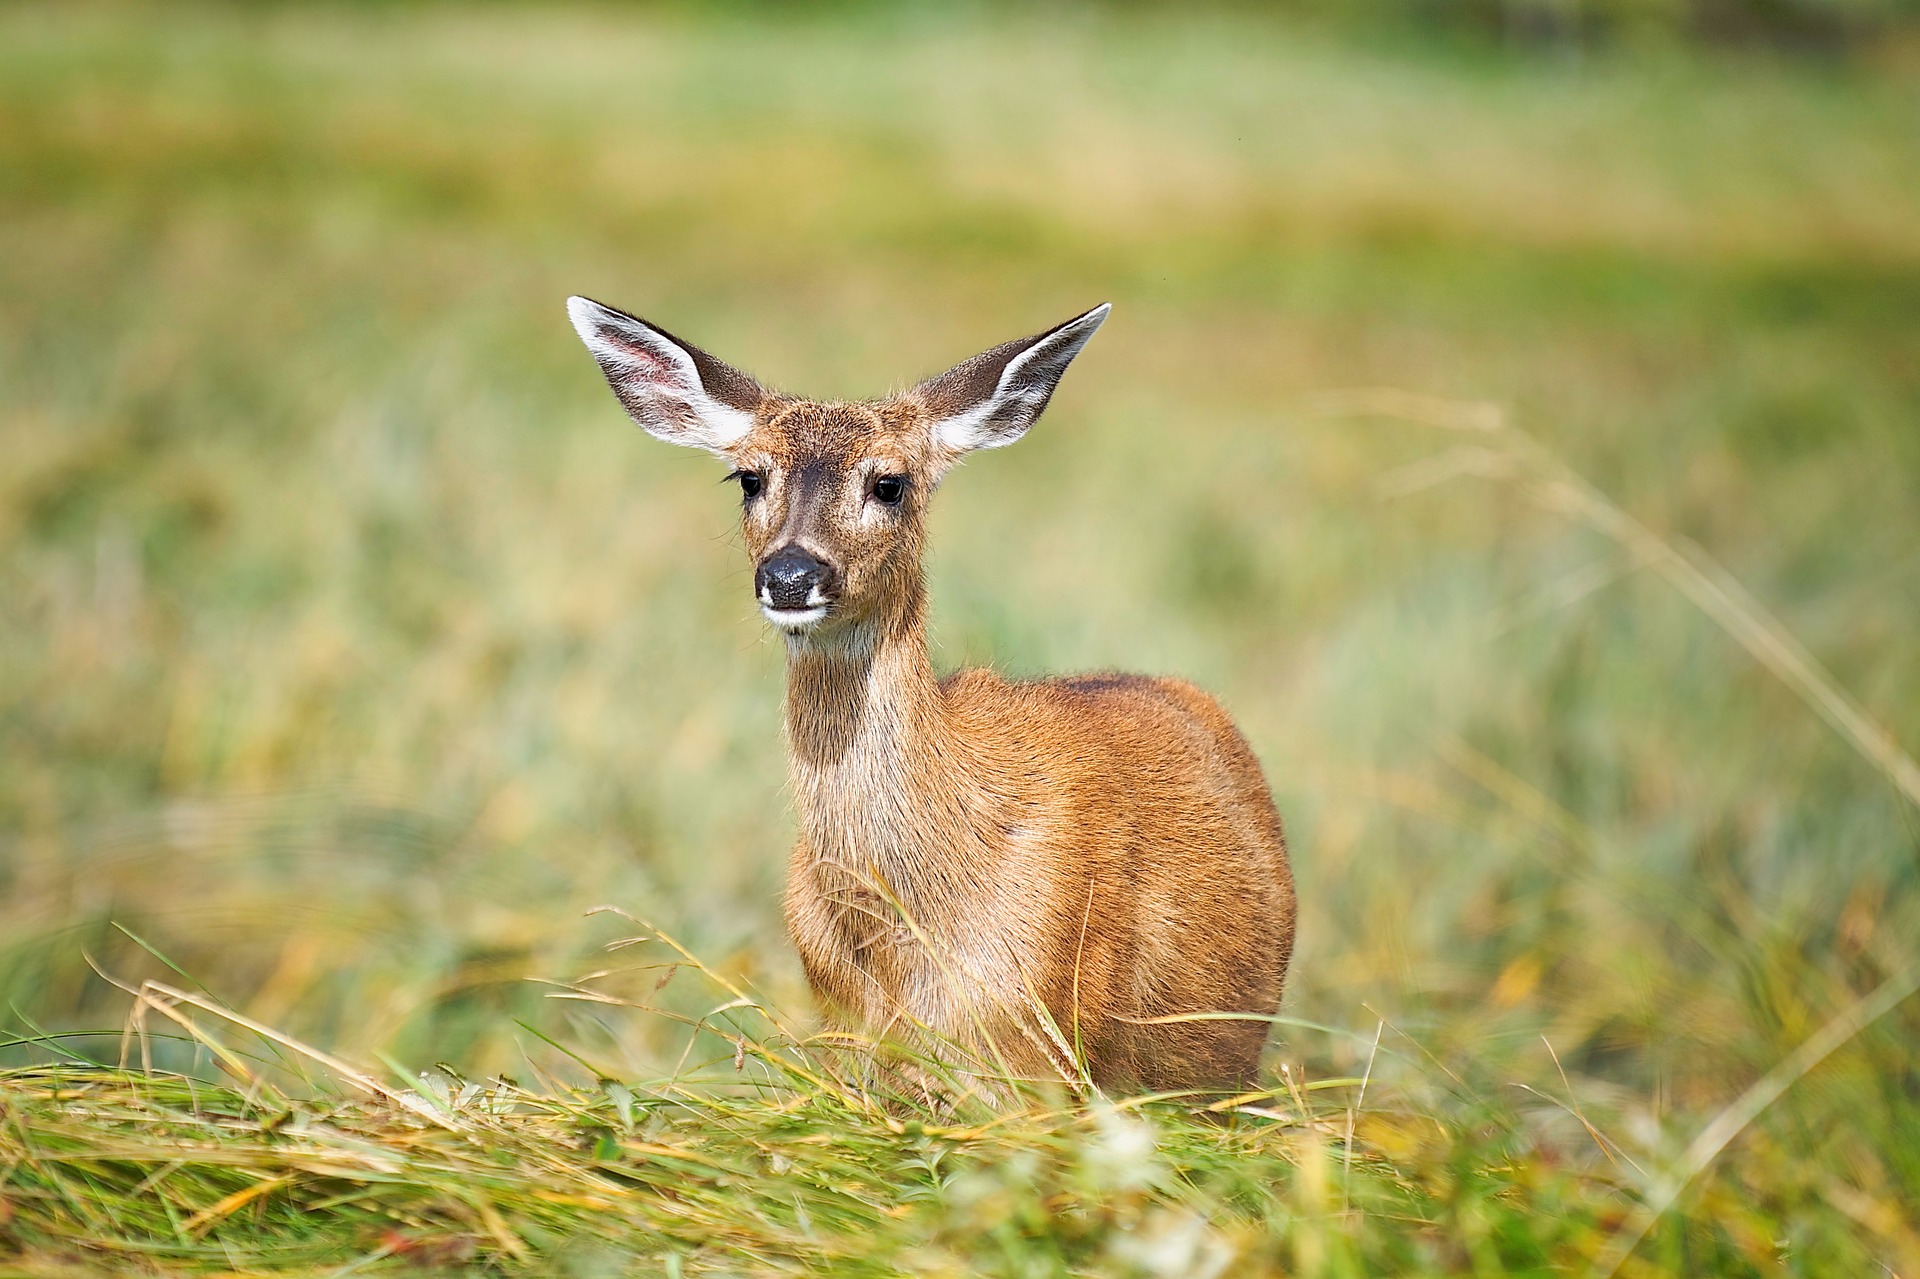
(353, 652)
(803, 1158)
(590, 1183)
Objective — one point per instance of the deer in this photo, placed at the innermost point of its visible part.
(1080, 879)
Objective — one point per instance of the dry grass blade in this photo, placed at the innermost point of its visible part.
(1718, 594)
(340, 1069)
(1686, 566)
(1353, 1111)
(232, 1203)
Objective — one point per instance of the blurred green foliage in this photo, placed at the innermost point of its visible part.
(352, 645)
(1802, 26)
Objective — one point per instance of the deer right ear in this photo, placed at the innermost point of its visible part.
(673, 389)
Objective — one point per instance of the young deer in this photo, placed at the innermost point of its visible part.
(1052, 872)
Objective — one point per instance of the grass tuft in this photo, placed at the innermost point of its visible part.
(785, 1156)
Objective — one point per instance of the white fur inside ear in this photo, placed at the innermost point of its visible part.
(656, 379)
(1023, 390)
(976, 429)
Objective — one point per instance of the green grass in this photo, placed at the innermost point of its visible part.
(353, 649)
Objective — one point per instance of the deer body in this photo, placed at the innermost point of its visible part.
(1044, 872)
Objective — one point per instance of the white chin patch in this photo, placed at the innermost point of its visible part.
(794, 620)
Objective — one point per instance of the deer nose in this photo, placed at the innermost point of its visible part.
(792, 578)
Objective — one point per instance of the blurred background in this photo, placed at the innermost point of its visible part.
(353, 645)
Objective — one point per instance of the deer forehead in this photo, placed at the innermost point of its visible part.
(827, 442)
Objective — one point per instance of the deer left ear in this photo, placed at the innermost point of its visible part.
(673, 389)
(994, 398)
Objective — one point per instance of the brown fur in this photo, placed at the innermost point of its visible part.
(972, 850)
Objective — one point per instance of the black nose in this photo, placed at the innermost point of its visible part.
(790, 578)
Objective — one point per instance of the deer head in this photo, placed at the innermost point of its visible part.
(833, 495)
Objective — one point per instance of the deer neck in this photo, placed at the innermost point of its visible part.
(878, 774)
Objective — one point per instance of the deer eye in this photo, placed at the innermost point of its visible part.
(750, 483)
(889, 489)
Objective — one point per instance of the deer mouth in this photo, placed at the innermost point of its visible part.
(794, 621)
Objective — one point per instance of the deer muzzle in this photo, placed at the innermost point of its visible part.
(795, 587)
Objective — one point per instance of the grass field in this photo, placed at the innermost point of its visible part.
(1527, 452)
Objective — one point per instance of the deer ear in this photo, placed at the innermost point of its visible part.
(992, 399)
(673, 389)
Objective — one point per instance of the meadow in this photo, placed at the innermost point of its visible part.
(1525, 449)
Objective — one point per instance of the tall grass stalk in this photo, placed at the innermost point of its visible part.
(1518, 457)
